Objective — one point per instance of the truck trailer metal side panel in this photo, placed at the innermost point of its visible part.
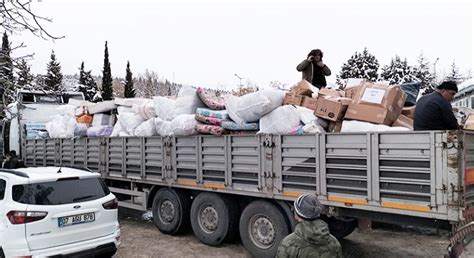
(405, 173)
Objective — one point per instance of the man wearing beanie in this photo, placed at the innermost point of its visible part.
(311, 237)
(434, 112)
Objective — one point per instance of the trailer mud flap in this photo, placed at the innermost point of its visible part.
(464, 230)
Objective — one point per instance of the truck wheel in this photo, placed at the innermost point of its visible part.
(262, 227)
(213, 218)
(340, 228)
(171, 211)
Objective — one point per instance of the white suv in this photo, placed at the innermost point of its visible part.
(49, 211)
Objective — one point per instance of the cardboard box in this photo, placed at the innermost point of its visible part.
(404, 121)
(409, 112)
(302, 88)
(334, 127)
(351, 92)
(323, 92)
(292, 99)
(332, 109)
(310, 103)
(469, 124)
(376, 103)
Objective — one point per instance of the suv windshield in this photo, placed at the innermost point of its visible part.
(60, 192)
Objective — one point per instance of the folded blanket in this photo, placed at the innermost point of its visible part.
(210, 129)
(208, 120)
(221, 114)
(231, 125)
(210, 99)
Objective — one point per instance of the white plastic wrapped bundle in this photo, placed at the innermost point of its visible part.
(280, 120)
(118, 131)
(359, 126)
(61, 126)
(188, 101)
(181, 125)
(307, 117)
(146, 110)
(146, 128)
(129, 122)
(251, 107)
(165, 108)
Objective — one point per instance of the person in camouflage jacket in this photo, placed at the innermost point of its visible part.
(311, 237)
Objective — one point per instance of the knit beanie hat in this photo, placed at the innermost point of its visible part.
(308, 207)
(448, 85)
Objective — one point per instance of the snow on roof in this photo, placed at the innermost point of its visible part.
(465, 88)
(466, 83)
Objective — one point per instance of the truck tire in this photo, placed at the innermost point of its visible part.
(340, 228)
(214, 218)
(262, 227)
(171, 211)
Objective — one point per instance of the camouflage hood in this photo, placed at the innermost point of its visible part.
(315, 232)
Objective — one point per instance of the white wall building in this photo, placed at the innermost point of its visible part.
(465, 96)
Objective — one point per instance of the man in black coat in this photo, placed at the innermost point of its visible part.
(11, 160)
(434, 111)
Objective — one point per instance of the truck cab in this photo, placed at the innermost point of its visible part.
(34, 108)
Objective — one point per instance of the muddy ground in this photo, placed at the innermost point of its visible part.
(140, 238)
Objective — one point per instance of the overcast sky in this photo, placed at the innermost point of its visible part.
(205, 43)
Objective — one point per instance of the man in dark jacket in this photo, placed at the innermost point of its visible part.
(11, 160)
(314, 70)
(311, 237)
(434, 112)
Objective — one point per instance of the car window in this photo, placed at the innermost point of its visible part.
(2, 188)
(60, 192)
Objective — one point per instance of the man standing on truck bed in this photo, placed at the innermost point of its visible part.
(311, 237)
(434, 112)
(314, 70)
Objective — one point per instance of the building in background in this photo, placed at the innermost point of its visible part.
(465, 96)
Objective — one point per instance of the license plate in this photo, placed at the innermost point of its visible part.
(76, 219)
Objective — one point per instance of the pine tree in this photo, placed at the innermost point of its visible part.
(398, 72)
(454, 74)
(54, 77)
(87, 85)
(25, 77)
(423, 73)
(6, 72)
(107, 90)
(129, 91)
(361, 65)
(82, 74)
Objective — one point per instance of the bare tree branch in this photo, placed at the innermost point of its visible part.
(16, 15)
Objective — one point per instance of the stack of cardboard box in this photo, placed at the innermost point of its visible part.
(366, 101)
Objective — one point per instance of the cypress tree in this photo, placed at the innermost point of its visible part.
(107, 90)
(129, 91)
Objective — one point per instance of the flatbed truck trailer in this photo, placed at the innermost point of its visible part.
(226, 186)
